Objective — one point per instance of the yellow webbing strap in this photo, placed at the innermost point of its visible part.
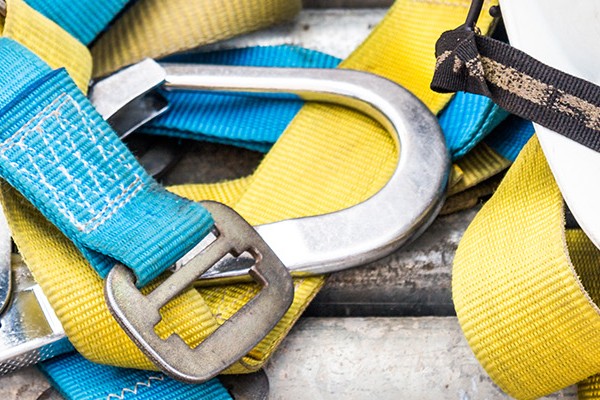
(476, 177)
(477, 166)
(328, 158)
(471, 197)
(46, 39)
(156, 28)
(589, 389)
(524, 289)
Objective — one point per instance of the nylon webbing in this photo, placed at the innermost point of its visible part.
(555, 353)
(519, 295)
(251, 121)
(68, 162)
(256, 121)
(480, 169)
(193, 321)
(510, 137)
(589, 389)
(520, 84)
(47, 40)
(365, 157)
(526, 289)
(82, 19)
(79, 379)
(156, 28)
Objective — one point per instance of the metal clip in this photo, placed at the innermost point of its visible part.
(30, 331)
(311, 245)
(474, 12)
(155, 154)
(473, 15)
(5, 262)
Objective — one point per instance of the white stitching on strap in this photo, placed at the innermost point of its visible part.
(134, 391)
(89, 204)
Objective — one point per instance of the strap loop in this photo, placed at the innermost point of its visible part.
(518, 83)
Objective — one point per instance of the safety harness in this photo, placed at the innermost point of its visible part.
(77, 200)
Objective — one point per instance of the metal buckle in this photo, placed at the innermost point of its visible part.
(304, 244)
(30, 331)
(157, 155)
(138, 314)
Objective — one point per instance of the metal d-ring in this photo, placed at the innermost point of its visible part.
(310, 245)
(403, 208)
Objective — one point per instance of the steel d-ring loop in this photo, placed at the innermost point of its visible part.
(374, 228)
(401, 210)
(311, 245)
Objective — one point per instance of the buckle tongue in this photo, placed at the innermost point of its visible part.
(138, 314)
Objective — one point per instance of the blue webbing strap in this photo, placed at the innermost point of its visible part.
(256, 121)
(250, 121)
(467, 120)
(40, 83)
(510, 137)
(60, 154)
(79, 379)
(83, 19)
(65, 159)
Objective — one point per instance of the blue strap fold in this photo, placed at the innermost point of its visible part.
(510, 137)
(59, 153)
(79, 379)
(467, 120)
(83, 19)
(252, 121)
(66, 160)
(256, 121)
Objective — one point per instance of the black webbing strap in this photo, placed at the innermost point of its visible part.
(467, 61)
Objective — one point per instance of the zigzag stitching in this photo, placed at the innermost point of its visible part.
(148, 383)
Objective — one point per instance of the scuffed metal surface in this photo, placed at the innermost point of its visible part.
(414, 281)
(26, 384)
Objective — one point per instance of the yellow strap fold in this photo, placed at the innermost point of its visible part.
(157, 28)
(589, 389)
(479, 165)
(525, 301)
(329, 158)
(48, 40)
(471, 197)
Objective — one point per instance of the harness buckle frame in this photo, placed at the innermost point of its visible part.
(138, 314)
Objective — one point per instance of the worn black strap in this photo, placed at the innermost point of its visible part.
(467, 61)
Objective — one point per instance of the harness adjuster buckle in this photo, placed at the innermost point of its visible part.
(138, 314)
